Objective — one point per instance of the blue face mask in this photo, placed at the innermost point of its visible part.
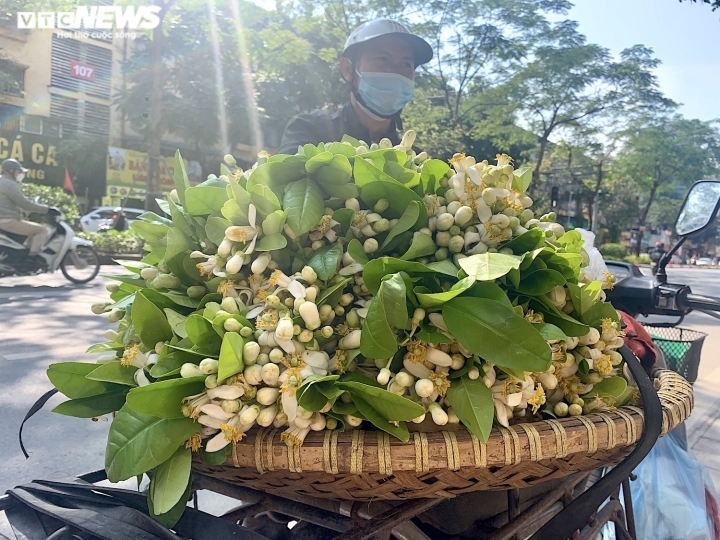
(385, 94)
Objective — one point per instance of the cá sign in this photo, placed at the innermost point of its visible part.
(38, 154)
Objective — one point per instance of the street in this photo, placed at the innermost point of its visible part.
(46, 319)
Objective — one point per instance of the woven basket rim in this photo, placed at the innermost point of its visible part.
(359, 451)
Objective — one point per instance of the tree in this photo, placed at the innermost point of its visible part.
(714, 3)
(571, 85)
(663, 158)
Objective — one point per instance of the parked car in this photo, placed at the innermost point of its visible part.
(703, 261)
(102, 215)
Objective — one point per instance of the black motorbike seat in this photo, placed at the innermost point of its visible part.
(14, 236)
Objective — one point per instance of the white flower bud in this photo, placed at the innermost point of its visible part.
(453, 207)
(351, 341)
(318, 422)
(225, 247)
(383, 377)
(309, 274)
(235, 263)
(284, 329)
(575, 409)
(439, 416)
(260, 264)
(352, 421)
(452, 417)
(310, 314)
(249, 415)
(424, 388)
(230, 406)
(561, 409)
(270, 373)
(474, 373)
(98, 308)
(149, 273)
(397, 389)
(251, 350)
(253, 374)
(548, 380)
(190, 370)
(267, 396)
(438, 357)
(306, 336)
(445, 221)
(419, 420)
(232, 325)
(558, 297)
(208, 366)
(592, 337)
(211, 381)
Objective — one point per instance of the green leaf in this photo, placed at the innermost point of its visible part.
(433, 171)
(171, 363)
(70, 379)
(216, 458)
(522, 178)
(489, 266)
(178, 243)
(153, 233)
(434, 300)
(231, 356)
(357, 252)
(379, 421)
(114, 372)
(105, 347)
(388, 309)
(215, 228)
(139, 442)
(92, 407)
(179, 219)
(276, 175)
(345, 217)
(405, 223)
(496, 334)
(572, 240)
(540, 282)
(170, 518)
(398, 195)
(169, 481)
(273, 223)
(204, 200)
(177, 322)
(550, 332)
(611, 387)
(584, 297)
(473, 403)
(490, 290)
(583, 367)
(201, 332)
(430, 335)
(265, 201)
(149, 321)
(527, 241)
(180, 178)
(325, 260)
(366, 173)
(552, 315)
(378, 268)
(164, 398)
(303, 202)
(390, 406)
(329, 173)
(602, 310)
(310, 396)
(235, 213)
(271, 242)
(332, 294)
(422, 245)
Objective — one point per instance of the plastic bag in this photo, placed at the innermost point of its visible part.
(597, 266)
(669, 495)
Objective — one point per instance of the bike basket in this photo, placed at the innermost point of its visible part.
(444, 462)
(682, 348)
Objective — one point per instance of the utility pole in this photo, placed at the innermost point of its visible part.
(596, 199)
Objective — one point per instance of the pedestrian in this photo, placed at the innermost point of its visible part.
(378, 64)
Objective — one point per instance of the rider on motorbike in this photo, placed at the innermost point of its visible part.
(13, 201)
(378, 64)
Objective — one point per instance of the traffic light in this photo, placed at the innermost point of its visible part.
(554, 196)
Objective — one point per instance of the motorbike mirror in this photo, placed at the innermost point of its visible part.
(699, 208)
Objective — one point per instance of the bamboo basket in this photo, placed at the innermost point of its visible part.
(364, 465)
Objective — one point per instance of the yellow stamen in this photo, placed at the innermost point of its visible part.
(262, 294)
(513, 203)
(267, 319)
(194, 443)
(457, 157)
(603, 365)
(510, 387)
(291, 439)
(343, 329)
(537, 399)
(441, 382)
(225, 287)
(324, 225)
(232, 434)
(275, 277)
(129, 355)
(293, 381)
(416, 351)
(204, 268)
(503, 158)
(533, 317)
(611, 327)
(609, 281)
(340, 361)
(359, 220)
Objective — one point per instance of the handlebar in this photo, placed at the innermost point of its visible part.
(702, 303)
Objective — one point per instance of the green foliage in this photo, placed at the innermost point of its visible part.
(615, 252)
(116, 242)
(643, 258)
(52, 196)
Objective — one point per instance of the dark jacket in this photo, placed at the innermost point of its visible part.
(325, 126)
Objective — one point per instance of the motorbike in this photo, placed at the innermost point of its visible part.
(75, 257)
(577, 506)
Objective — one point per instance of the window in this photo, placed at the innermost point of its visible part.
(12, 78)
(81, 67)
(80, 116)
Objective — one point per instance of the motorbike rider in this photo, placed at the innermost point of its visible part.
(119, 220)
(13, 201)
(378, 64)
(656, 254)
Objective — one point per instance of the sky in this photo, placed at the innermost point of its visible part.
(684, 36)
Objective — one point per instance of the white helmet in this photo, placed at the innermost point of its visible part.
(381, 27)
